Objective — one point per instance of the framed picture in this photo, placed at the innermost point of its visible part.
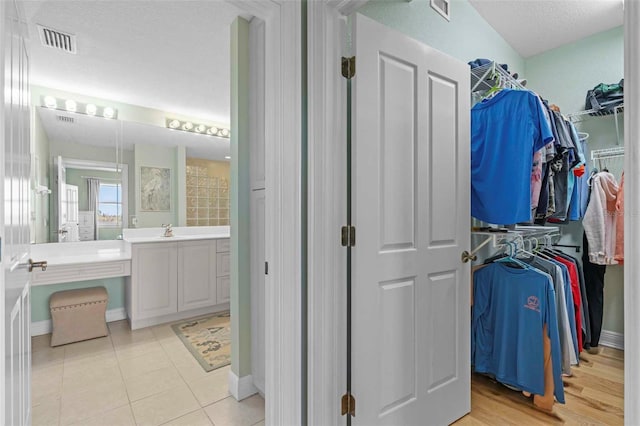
(155, 189)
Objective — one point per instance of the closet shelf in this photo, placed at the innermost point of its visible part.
(487, 76)
(578, 116)
(597, 155)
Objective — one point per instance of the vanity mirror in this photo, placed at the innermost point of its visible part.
(94, 176)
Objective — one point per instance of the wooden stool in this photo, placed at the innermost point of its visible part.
(78, 315)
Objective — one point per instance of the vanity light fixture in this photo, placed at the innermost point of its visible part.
(50, 102)
(187, 126)
(108, 112)
(71, 105)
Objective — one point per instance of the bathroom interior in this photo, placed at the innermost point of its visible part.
(131, 191)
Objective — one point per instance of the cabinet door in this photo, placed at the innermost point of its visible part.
(155, 279)
(224, 289)
(224, 264)
(197, 274)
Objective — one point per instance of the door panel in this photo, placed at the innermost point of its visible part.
(410, 292)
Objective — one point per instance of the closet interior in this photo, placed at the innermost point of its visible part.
(547, 221)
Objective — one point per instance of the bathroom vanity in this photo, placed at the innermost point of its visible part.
(176, 277)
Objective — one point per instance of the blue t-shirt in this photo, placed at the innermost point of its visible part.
(506, 131)
(510, 308)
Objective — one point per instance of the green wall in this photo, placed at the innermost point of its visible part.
(162, 157)
(466, 37)
(240, 196)
(563, 76)
(40, 295)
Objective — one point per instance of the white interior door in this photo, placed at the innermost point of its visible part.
(410, 291)
(15, 127)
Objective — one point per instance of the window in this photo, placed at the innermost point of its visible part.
(110, 205)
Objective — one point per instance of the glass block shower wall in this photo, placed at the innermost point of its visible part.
(207, 193)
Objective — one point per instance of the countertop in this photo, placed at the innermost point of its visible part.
(183, 233)
(85, 252)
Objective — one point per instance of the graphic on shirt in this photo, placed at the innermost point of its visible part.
(533, 303)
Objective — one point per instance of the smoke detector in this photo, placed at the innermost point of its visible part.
(58, 40)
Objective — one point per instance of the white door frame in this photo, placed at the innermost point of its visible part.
(283, 114)
(632, 210)
(327, 209)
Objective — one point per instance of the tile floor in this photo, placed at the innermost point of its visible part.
(142, 377)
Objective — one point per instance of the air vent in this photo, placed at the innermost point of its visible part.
(65, 119)
(57, 39)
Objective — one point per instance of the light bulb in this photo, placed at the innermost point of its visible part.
(187, 126)
(227, 157)
(174, 124)
(50, 102)
(71, 105)
(200, 128)
(91, 109)
(108, 112)
(224, 132)
(212, 130)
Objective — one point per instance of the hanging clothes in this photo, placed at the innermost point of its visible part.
(619, 251)
(506, 131)
(594, 283)
(600, 219)
(511, 308)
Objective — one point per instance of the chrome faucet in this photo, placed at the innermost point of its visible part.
(168, 231)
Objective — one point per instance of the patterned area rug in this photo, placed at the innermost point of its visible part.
(208, 339)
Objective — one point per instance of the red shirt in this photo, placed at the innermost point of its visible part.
(575, 291)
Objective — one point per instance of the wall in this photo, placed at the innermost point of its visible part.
(466, 37)
(40, 295)
(563, 75)
(168, 158)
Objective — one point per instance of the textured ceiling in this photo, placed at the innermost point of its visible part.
(535, 26)
(169, 55)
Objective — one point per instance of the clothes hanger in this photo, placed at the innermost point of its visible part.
(512, 259)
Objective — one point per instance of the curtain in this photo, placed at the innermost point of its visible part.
(94, 190)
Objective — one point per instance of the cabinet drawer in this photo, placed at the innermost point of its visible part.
(223, 245)
(223, 289)
(223, 264)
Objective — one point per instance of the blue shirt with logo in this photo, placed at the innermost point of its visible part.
(511, 305)
(506, 131)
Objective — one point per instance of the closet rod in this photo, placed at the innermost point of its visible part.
(577, 248)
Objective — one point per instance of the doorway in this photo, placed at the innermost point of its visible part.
(282, 118)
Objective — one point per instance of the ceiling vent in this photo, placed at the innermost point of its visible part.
(57, 39)
(65, 119)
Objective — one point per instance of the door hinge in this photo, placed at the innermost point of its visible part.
(349, 67)
(266, 268)
(348, 236)
(348, 404)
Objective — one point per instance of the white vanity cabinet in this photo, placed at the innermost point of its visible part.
(172, 280)
(154, 281)
(197, 274)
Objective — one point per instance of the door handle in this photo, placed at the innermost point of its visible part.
(41, 264)
(466, 257)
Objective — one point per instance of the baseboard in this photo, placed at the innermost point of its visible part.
(612, 339)
(241, 387)
(39, 328)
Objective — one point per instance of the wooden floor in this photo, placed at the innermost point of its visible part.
(594, 396)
